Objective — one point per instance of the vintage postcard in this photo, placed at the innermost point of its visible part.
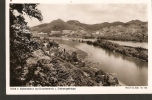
(78, 47)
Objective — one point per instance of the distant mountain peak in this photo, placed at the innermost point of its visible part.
(135, 21)
(57, 20)
(59, 24)
(73, 21)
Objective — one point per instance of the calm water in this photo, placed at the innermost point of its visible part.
(133, 44)
(66, 38)
(130, 71)
(128, 43)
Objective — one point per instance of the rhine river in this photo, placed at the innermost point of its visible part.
(129, 71)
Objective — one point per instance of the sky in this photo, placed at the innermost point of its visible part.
(90, 13)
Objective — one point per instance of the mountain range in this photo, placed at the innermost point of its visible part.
(59, 25)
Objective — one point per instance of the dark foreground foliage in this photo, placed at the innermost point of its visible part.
(58, 68)
(39, 62)
(21, 44)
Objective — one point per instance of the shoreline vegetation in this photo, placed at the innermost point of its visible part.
(135, 52)
(118, 38)
(51, 65)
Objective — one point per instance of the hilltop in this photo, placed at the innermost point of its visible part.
(134, 30)
(58, 25)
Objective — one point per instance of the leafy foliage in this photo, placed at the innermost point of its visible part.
(21, 44)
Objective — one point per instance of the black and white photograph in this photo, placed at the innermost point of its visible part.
(78, 45)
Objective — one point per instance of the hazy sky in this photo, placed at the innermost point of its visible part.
(91, 13)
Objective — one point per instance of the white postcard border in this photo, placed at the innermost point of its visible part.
(80, 90)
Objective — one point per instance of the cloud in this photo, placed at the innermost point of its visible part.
(91, 13)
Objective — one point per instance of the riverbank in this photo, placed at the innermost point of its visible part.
(125, 38)
(77, 58)
(83, 56)
(135, 52)
(70, 48)
(52, 65)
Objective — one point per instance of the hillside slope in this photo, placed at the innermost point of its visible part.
(58, 25)
(134, 30)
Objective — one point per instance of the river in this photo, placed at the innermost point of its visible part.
(126, 43)
(129, 71)
(133, 44)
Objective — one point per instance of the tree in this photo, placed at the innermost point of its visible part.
(21, 44)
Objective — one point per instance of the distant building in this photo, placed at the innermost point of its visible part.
(43, 33)
(97, 32)
(55, 32)
(72, 32)
(101, 33)
(66, 31)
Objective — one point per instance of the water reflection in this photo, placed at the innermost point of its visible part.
(139, 63)
(129, 70)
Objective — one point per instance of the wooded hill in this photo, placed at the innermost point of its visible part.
(58, 25)
(134, 30)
